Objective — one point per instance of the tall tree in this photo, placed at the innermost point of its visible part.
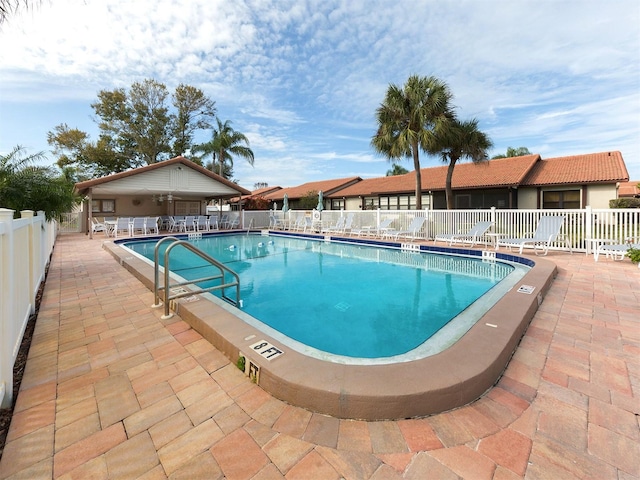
(87, 159)
(24, 185)
(409, 120)
(149, 123)
(225, 144)
(461, 140)
(194, 111)
(514, 152)
(136, 126)
(396, 170)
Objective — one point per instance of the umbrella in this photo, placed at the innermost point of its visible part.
(285, 203)
(320, 207)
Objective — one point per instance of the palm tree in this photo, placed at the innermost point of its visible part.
(409, 119)
(513, 152)
(224, 145)
(26, 186)
(396, 170)
(9, 7)
(462, 139)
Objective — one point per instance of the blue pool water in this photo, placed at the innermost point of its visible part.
(348, 300)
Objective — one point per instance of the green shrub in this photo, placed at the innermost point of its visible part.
(634, 254)
(241, 363)
(625, 202)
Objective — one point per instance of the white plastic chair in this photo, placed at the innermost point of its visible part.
(472, 236)
(547, 231)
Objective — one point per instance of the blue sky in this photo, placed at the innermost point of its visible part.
(302, 79)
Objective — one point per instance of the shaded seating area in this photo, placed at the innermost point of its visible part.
(472, 236)
(547, 232)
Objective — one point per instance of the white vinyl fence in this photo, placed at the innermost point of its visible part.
(615, 225)
(25, 249)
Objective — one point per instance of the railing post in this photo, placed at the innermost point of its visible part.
(7, 307)
(33, 262)
(588, 222)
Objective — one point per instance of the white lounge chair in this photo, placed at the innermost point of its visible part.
(372, 231)
(472, 236)
(343, 225)
(96, 226)
(337, 227)
(411, 231)
(616, 251)
(275, 223)
(546, 233)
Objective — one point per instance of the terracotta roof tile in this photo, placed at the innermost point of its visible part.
(629, 189)
(493, 173)
(326, 186)
(589, 168)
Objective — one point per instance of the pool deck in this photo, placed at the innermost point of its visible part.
(111, 390)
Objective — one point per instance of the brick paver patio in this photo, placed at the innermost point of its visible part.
(111, 390)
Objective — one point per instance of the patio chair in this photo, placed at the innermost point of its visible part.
(373, 231)
(96, 226)
(138, 225)
(234, 222)
(616, 251)
(202, 223)
(165, 222)
(337, 227)
(547, 231)
(275, 223)
(299, 223)
(472, 236)
(190, 223)
(152, 225)
(411, 231)
(123, 224)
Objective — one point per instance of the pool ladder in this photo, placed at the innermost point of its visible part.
(166, 287)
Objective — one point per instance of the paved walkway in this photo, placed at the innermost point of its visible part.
(112, 391)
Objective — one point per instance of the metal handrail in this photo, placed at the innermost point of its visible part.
(167, 270)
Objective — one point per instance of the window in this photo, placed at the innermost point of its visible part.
(187, 208)
(370, 203)
(561, 199)
(103, 206)
(337, 204)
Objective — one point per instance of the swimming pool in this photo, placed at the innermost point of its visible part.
(412, 385)
(347, 302)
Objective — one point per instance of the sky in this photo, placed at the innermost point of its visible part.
(302, 79)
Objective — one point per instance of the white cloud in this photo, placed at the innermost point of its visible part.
(303, 79)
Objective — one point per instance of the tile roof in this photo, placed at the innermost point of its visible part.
(326, 186)
(526, 170)
(589, 168)
(493, 173)
(629, 189)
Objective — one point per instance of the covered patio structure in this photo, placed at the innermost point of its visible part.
(172, 187)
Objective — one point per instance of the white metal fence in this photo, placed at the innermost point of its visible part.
(25, 250)
(614, 225)
(70, 223)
